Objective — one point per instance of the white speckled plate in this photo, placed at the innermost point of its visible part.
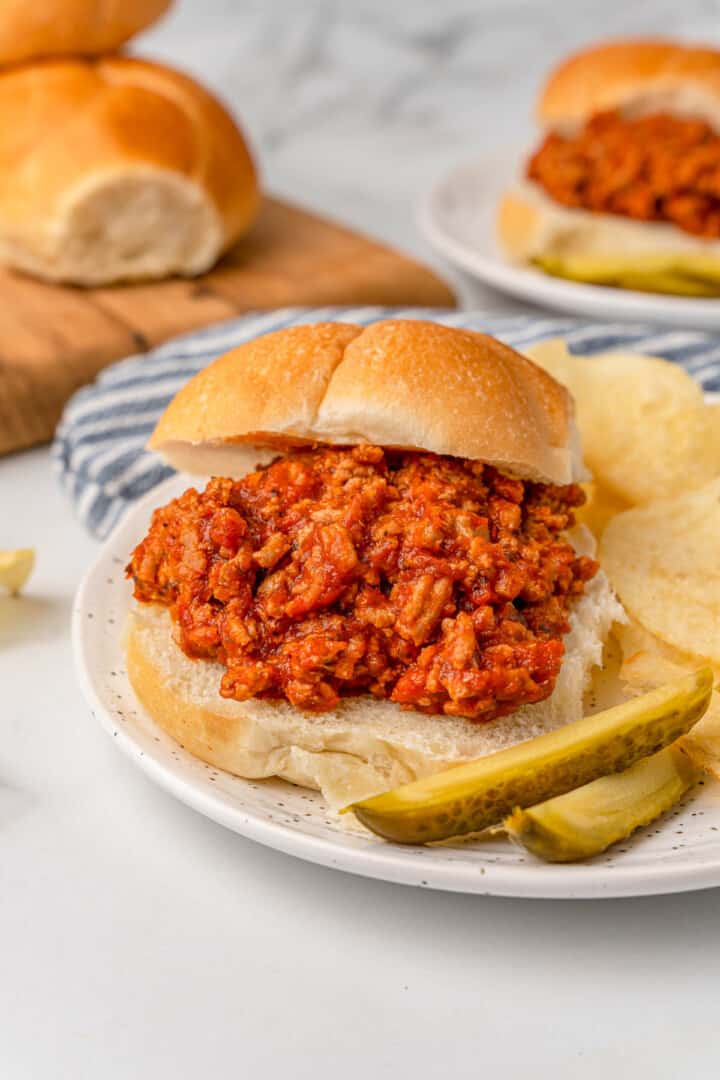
(681, 852)
(458, 218)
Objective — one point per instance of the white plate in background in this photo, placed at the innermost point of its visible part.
(458, 218)
(678, 853)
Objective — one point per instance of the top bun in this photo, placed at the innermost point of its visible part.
(634, 76)
(397, 383)
(32, 29)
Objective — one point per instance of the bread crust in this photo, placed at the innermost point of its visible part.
(117, 168)
(519, 223)
(643, 75)
(32, 30)
(397, 383)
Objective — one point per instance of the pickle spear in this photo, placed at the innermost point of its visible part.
(680, 275)
(588, 820)
(473, 796)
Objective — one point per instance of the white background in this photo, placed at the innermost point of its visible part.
(138, 939)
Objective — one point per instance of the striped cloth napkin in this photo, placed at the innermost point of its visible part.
(99, 449)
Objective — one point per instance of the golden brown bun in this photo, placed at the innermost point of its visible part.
(520, 224)
(365, 745)
(117, 169)
(32, 29)
(398, 383)
(531, 226)
(644, 76)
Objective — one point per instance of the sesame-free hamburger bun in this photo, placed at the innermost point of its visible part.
(397, 383)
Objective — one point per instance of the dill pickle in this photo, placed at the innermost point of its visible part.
(473, 796)
(679, 274)
(588, 820)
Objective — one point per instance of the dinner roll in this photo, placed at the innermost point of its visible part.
(117, 169)
(31, 29)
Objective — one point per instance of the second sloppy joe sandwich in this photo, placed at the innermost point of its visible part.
(382, 577)
(624, 186)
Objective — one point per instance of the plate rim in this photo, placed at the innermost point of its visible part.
(378, 860)
(544, 290)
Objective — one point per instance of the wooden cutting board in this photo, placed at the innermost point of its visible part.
(54, 339)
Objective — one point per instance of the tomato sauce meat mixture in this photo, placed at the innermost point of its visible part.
(653, 168)
(435, 582)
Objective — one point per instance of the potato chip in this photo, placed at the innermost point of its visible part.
(702, 742)
(647, 661)
(645, 429)
(601, 507)
(647, 436)
(646, 382)
(15, 568)
(663, 456)
(554, 357)
(663, 562)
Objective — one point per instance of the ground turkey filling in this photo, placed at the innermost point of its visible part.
(438, 583)
(654, 168)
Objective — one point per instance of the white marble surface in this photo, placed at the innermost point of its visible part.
(138, 940)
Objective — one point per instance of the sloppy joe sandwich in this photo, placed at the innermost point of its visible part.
(382, 576)
(624, 186)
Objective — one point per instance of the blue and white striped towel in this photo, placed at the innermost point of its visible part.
(99, 446)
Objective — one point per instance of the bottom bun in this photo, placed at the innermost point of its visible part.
(365, 745)
(605, 249)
